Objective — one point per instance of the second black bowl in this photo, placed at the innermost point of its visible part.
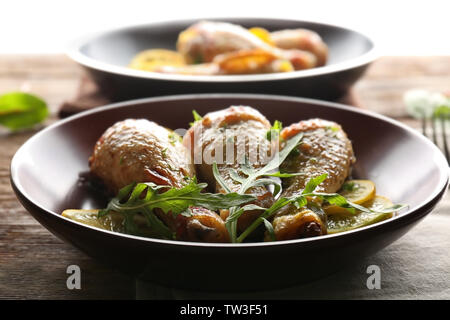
(106, 56)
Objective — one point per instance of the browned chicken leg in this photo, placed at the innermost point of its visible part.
(229, 136)
(324, 148)
(143, 151)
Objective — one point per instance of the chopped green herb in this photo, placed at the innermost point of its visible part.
(174, 138)
(333, 128)
(164, 153)
(274, 132)
(279, 174)
(197, 118)
(349, 186)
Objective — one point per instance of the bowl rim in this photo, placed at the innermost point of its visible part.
(74, 52)
(403, 218)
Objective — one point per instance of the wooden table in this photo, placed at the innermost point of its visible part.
(33, 262)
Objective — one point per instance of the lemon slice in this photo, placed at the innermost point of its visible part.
(263, 34)
(356, 191)
(149, 60)
(111, 222)
(339, 223)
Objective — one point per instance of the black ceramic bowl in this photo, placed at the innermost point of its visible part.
(405, 166)
(106, 56)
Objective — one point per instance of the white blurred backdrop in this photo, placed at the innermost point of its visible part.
(399, 27)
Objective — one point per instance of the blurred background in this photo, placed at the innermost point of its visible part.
(398, 27)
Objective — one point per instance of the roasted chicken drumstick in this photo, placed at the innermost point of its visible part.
(228, 137)
(143, 151)
(324, 148)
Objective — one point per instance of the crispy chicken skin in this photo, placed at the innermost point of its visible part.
(227, 137)
(324, 148)
(143, 151)
(203, 226)
(302, 39)
(140, 151)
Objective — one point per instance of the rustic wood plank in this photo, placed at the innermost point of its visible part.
(33, 262)
(386, 80)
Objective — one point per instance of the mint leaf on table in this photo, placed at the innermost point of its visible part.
(425, 104)
(20, 110)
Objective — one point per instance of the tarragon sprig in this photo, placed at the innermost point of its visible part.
(303, 199)
(251, 177)
(144, 198)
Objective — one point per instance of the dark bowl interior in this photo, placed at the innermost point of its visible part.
(106, 56)
(406, 167)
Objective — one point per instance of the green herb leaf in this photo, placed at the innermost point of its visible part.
(312, 184)
(269, 229)
(254, 178)
(274, 132)
(235, 176)
(267, 182)
(333, 128)
(278, 174)
(158, 228)
(143, 198)
(237, 213)
(349, 186)
(300, 202)
(21, 110)
(267, 213)
(275, 162)
(272, 165)
(197, 117)
(246, 167)
(219, 178)
(174, 138)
